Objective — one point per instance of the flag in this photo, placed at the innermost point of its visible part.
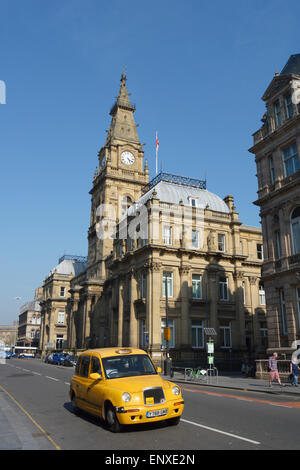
(157, 142)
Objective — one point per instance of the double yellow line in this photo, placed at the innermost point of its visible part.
(31, 418)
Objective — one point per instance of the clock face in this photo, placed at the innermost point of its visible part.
(127, 158)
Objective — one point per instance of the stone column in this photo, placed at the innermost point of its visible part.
(240, 308)
(121, 311)
(213, 298)
(154, 314)
(133, 329)
(185, 306)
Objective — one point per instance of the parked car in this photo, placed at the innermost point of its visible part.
(122, 386)
(55, 358)
(69, 361)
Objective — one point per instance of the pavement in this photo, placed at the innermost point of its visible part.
(236, 382)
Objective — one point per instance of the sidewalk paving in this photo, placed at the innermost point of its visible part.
(17, 432)
(238, 383)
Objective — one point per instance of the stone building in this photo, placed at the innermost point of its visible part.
(211, 266)
(29, 326)
(54, 301)
(8, 334)
(276, 148)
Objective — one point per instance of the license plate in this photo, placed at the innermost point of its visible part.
(153, 414)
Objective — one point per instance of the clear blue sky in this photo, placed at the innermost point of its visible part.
(196, 71)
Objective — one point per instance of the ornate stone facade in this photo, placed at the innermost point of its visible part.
(276, 148)
(213, 275)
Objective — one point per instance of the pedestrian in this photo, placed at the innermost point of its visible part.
(273, 369)
(294, 371)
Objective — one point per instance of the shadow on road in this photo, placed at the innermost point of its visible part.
(128, 428)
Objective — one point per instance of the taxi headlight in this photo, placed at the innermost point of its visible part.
(176, 390)
(126, 397)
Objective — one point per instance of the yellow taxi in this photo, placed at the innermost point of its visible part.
(122, 386)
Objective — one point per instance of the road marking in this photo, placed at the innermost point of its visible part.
(253, 400)
(31, 418)
(36, 373)
(52, 378)
(221, 432)
(67, 383)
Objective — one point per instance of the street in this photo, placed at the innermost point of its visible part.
(212, 419)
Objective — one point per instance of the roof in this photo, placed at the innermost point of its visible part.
(292, 66)
(174, 193)
(69, 266)
(108, 352)
(33, 306)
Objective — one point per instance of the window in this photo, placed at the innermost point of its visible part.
(143, 338)
(196, 286)
(272, 169)
(59, 341)
(125, 204)
(193, 202)
(61, 317)
(84, 366)
(264, 334)
(95, 365)
(62, 291)
(288, 106)
(277, 112)
(283, 311)
(168, 279)
(225, 334)
(295, 230)
(32, 334)
(144, 286)
(195, 239)
(130, 244)
(277, 245)
(167, 235)
(290, 160)
(223, 288)
(262, 295)
(170, 325)
(197, 334)
(260, 251)
(221, 242)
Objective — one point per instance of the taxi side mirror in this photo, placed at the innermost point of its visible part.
(96, 376)
(158, 369)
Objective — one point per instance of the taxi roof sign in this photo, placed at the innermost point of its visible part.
(124, 351)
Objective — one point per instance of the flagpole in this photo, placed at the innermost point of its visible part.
(156, 152)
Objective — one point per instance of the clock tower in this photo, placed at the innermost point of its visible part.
(118, 180)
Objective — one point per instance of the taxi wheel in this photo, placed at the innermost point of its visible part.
(74, 404)
(112, 420)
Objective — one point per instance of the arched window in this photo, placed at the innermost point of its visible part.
(295, 230)
(126, 203)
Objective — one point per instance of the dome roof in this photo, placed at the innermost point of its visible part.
(174, 193)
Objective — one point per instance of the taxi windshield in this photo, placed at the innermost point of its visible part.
(127, 366)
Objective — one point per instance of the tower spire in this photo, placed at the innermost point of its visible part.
(122, 124)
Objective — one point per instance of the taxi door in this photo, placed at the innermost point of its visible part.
(95, 390)
(82, 382)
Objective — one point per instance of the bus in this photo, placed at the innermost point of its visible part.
(24, 351)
